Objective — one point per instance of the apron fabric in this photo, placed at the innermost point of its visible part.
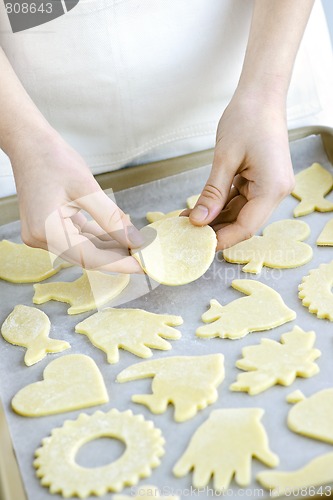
(133, 81)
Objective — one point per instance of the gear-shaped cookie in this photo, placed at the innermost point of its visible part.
(57, 469)
(316, 291)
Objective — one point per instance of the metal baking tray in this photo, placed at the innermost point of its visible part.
(190, 301)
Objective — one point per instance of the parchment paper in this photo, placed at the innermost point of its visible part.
(189, 301)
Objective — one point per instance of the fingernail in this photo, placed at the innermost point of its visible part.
(135, 236)
(199, 213)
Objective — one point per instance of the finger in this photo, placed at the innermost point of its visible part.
(230, 213)
(250, 218)
(90, 226)
(216, 191)
(111, 218)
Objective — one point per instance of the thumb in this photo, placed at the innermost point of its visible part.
(215, 193)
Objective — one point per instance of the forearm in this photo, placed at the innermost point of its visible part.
(20, 120)
(276, 31)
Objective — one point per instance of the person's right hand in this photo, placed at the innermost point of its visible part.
(54, 185)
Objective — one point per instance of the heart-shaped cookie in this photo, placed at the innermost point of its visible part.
(70, 383)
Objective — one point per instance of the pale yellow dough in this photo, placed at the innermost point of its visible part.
(146, 492)
(280, 247)
(134, 330)
(56, 466)
(155, 216)
(22, 264)
(90, 291)
(70, 383)
(29, 327)
(223, 447)
(318, 472)
(188, 382)
(262, 310)
(192, 200)
(326, 236)
(272, 362)
(312, 184)
(176, 252)
(313, 417)
(316, 291)
(295, 397)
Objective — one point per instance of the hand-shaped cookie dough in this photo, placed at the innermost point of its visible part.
(262, 310)
(316, 291)
(134, 330)
(70, 383)
(22, 264)
(90, 291)
(272, 362)
(312, 184)
(223, 446)
(188, 382)
(280, 247)
(29, 327)
(315, 473)
(313, 417)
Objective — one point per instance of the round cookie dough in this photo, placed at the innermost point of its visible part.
(176, 252)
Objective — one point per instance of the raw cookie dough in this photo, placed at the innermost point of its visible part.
(326, 236)
(176, 252)
(312, 184)
(272, 362)
(262, 310)
(146, 493)
(316, 291)
(318, 472)
(22, 264)
(192, 200)
(223, 447)
(280, 247)
(70, 383)
(188, 382)
(56, 466)
(90, 291)
(295, 397)
(29, 327)
(313, 417)
(155, 216)
(134, 330)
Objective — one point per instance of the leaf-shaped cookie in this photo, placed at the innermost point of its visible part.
(313, 417)
(134, 330)
(272, 362)
(280, 246)
(262, 310)
(316, 291)
(70, 383)
(223, 446)
(90, 291)
(188, 382)
(312, 184)
(29, 327)
(22, 264)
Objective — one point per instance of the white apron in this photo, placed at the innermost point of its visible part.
(131, 81)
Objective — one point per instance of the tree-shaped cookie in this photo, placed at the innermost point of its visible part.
(280, 246)
(326, 236)
(313, 417)
(91, 290)
(134, 330)
(22, 264)
(317, 472)
(312, 184)
(29, 327)
(188, 382)
(316, 291)
(262, 310)
(272, 362)
(223, 447)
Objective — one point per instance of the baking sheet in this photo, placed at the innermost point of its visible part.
(190, 301)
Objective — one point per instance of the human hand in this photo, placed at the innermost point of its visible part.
(54, 185)
(251, 171)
